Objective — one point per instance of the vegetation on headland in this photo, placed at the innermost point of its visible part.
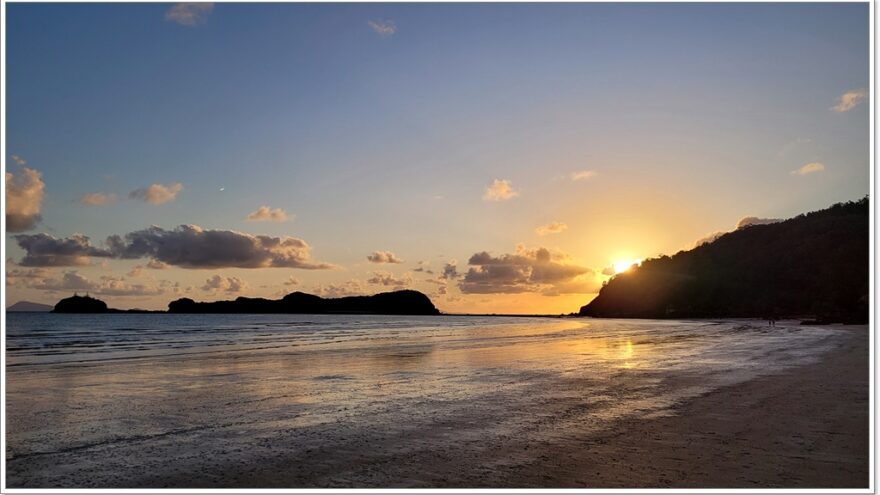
(813, 265)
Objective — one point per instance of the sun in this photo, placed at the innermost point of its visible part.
(621, 266)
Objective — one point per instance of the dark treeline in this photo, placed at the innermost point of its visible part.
(815, 265)
(402, 302)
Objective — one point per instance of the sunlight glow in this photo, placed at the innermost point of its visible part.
(621, 266)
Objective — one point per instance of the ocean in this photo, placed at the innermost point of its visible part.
(159, 400)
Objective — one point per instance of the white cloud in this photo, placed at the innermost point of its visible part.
(218, 283)
(24, 200)
(350, 288)
(551, 228)
(749, 221)
(809, 168)
(743, 223)
(19, 160)
(157, 194)
(266, 214)
(189, 13)
(384, 29)
(583, 175)
(107, 286)
(849, 100)
(387, 279)
(383, 257)
(98, 199)
(500, 190)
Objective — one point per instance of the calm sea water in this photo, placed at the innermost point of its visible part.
(210, 400)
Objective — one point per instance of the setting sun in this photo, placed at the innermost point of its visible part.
(621, 266)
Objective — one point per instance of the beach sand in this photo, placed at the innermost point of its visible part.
(801, 425)
(804, 428)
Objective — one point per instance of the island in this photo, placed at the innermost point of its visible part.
(401, 302)
(28, 307)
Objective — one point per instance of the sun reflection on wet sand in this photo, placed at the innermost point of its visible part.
(276, 388)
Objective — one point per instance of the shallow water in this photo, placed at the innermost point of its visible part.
(329, 400)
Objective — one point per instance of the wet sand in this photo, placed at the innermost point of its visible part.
(804, 428)
(538, 404)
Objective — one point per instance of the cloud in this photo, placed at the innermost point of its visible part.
(98, 199)
(157, 194)
(190, 246)
(217, 283)
(849, 100)
(24, 200)
(743, 223)
(423, 268)
(350, 288)
(583, 175)
(749, 221)
(266, 214)
(291, 281)
(19, 160)
(25, 277)
(187, 246)
(450, 271)
(551, 228)
(527, 270)
(708, 239)
(47, 250)
(137, 271)
(387, 279)
(107, 286)
(384, 29)
(500, 190)
(189, 13)
(809, 168)
(383, 257)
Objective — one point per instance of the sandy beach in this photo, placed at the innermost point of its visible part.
(373, 402)
(804, 428)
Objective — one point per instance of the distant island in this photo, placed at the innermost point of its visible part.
(27, 306)
(402, 302)
(814, 265)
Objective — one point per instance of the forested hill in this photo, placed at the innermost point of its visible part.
(813, 265)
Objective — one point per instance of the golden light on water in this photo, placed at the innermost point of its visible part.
(621, 266)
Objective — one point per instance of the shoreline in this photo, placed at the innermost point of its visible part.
(796, 424)
(806, 427)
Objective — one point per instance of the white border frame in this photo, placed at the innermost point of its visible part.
(871, 327)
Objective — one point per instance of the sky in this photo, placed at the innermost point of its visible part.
(501, 158)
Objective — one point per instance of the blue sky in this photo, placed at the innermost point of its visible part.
(379, 127)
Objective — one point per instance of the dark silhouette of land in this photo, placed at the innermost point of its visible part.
(402, 302)
(27, 306)
(814, 265)
(81, 304)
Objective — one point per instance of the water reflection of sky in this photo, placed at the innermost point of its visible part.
(111, 381)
